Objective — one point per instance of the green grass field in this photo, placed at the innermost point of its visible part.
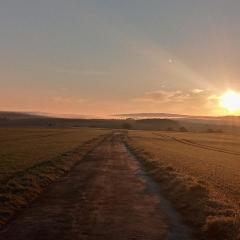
(21, 148)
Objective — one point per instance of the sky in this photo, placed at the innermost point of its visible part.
(103, 57)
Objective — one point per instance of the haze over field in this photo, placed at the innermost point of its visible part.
(112, 57)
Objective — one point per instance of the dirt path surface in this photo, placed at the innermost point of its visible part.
(102, 198)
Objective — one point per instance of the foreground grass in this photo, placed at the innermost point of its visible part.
(31, 159)
(200, 175)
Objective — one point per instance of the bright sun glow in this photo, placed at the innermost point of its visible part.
(230, 101)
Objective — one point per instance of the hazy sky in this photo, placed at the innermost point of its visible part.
(118, 56)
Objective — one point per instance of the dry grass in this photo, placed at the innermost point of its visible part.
(200, 175)
(31, 159)
(22, 148)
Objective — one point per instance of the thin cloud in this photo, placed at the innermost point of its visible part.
(163, 96)
(197, 90)
(179, 101)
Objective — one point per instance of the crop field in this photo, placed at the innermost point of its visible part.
(199, 171)
(189, 183)
(22, 148)
(32, 158)
(214, 158)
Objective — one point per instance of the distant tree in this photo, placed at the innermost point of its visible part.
(126, 126)
(130, 119)
(50, 124)
(183, 129)
(169, 129)
(3, 119)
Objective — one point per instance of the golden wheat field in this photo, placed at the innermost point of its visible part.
(22, 148)
(199, 172)
(214, 158)
(32, 158)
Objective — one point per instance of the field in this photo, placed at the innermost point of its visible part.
(196, 174)
(214, 158)
(32, 158)
(203, 167)
(22, 148)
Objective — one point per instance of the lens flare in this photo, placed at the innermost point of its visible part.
(230, 101)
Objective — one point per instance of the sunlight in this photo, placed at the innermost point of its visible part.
(230, 101)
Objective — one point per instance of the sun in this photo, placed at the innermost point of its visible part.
(230, 100)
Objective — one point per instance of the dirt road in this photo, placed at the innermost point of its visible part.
(106, 196)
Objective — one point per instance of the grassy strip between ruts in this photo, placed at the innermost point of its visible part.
(210, 214)
(27, 185)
